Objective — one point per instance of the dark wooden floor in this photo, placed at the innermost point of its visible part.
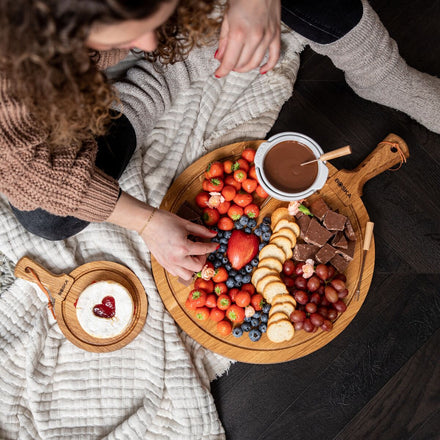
(380, 378)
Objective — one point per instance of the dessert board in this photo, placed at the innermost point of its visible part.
(65, 290)
(342, 192)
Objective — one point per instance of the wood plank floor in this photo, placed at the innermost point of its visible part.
(380, 378)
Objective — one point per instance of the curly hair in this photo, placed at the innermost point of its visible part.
(48, 67)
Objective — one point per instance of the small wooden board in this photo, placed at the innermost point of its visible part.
(174, 294)
(65, 290)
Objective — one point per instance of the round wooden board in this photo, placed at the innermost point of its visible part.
(65, 290)
(174, 294)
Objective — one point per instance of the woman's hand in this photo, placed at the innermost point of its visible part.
(250, 28)
(166, 235)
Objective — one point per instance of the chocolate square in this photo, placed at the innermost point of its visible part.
(316, 234)
(319, 208)
(302, 251)
(339, 240)
(325, 254)
(303, 223)
(349, 231)
(348, 253)
(334, 221)
(187, 212)
(339, 263)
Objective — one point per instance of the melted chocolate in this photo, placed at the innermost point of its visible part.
(282, 167)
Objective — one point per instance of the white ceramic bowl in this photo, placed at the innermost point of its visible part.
(265, 147)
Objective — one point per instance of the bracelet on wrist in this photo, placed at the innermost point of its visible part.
(148, 221)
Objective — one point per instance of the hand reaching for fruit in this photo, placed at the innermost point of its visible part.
(167, 239)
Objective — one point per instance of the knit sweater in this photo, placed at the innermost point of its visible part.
(66, 181)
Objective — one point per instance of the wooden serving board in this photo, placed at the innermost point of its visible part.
(342, 191)
(65, 290)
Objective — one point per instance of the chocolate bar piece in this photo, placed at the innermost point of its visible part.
(302, 251)
(334, 221)
(303, 223)
(319, 208)
(339, 241)
(316, 234)
(339, 263)
(349, 231)
(325, 254)
(348, 253)
(187, 212)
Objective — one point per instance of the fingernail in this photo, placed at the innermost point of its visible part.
(217, 246)
(212, 232)
(263, 73)
(217, 76)
(216, 52)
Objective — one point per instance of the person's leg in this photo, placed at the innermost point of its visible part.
(114, 152)
(374, 68)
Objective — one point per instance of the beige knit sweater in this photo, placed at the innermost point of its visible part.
(63, 182)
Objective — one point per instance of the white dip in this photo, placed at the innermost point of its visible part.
(104, 327)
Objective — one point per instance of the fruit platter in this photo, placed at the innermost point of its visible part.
(281, 283)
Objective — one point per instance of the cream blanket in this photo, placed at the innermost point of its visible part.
(157, 387)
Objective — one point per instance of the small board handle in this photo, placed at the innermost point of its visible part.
(57, 285)
(343, 151)
(368, 235)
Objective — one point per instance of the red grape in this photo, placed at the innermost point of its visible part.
(323, 311)
(340, 306)
(322, 271)
(340, 276)
(331, 294)
(331, 272)
(313, 283)
(308, 326)
(338, 284)
(289, 267)
(315, 298)
(299, 268)
(288, 281)
(332, 314)
(311, 307)
(298, 316)
(343, 293)
(327, 325)
(316, 319)
(301, 297)
(300, 283)
(298, 325)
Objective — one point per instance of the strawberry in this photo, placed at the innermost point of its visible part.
(243, 164)
(217, 315)
(243, 199)
(248, 154)
(206, 285)
(214, 169)
(210, 216)
(229, 180)
(223, 207)
(235, 313)
(221, 275)
(228, 192)
(202, 313)
(240, 175)
(249, 185)
(252, 210)
(220, 289)
(235, 212)
(242, 248)
(197, 297)
(225, 224)
(213, 185)
(261, 192)
(202, 199)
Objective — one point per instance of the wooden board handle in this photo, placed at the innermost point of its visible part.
(391, 151)
(57, 285)
(344, 151)
(368, 235)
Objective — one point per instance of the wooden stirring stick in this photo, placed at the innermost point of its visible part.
(343, 151)
(367, 242)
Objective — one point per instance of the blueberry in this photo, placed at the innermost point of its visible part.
(255, 335)
(254, 262)
(258, 232)
(243, 271)
(262, 327)
(224, 240)
(228, 267)
(222, 248)
(255, 322)
(238, 284)
(248, 230)
(225, 261)
(246, 326)
(211, 257)
(266, 236)
(219, 234)
(237, 332)
(248, 268)
(217, 264)
(266, 308)
(227, 234)
(238, 225)
(244, 220)
(264, 317)
(246, 279)
(265, 227)
(238, 277)
(232, 273)
(215, 240)
(214, 228)
(252, 223)
(230, 283)
(247, 318)
(256, 314)
(266, 220)
(261, 245)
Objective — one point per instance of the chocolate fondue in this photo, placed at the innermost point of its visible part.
(282, 167)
